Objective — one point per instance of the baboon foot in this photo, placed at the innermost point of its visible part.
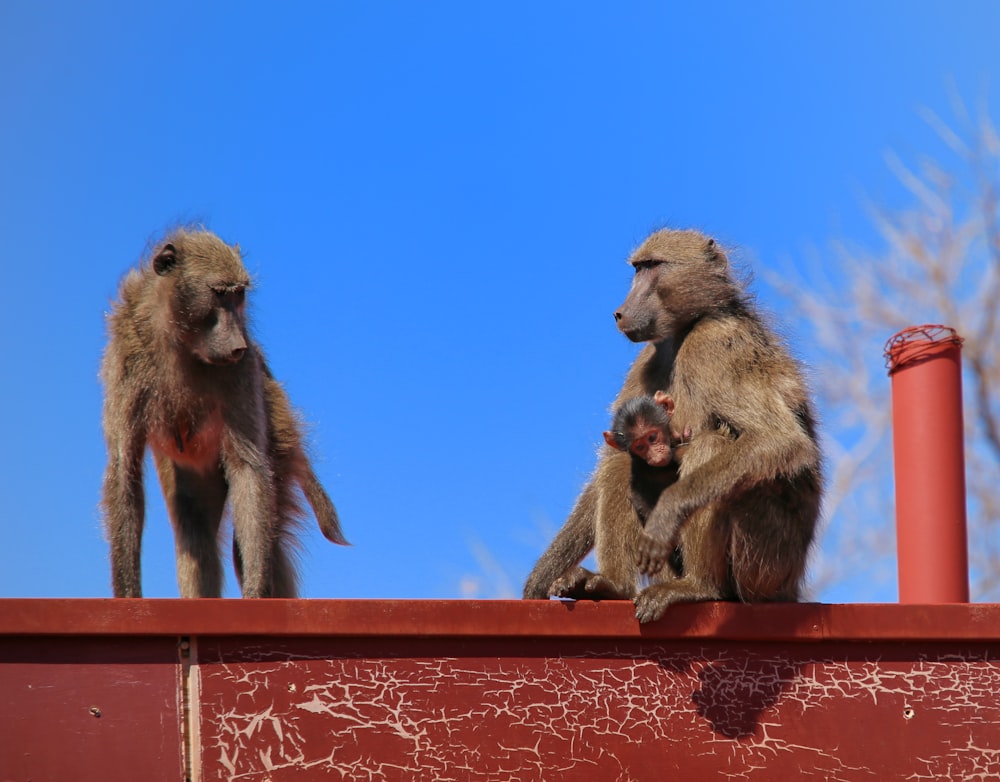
(653, 601)
(579, 583)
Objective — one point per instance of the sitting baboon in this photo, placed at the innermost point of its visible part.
(746, 501)
(183, 376)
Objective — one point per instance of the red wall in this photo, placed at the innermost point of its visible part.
(495, 690)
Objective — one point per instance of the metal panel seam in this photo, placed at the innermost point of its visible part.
(190, 691)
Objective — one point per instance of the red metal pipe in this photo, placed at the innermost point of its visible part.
(925, 364)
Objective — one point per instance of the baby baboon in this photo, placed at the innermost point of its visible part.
(745, 505)
(641, 428)
(183, 376)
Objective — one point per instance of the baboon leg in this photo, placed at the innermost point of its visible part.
(613, 534)
(618, 575)
(196, 502)
(619, 528)
(705, 542)
(284, 578)
(572, 543)
(282, 575)
(255, 526)
(770, 544)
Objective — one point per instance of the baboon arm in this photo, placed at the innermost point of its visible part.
(573, 542)
(752, 457)
(122, 496)
(745, 426)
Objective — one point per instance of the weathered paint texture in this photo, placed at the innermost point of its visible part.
(492, 711)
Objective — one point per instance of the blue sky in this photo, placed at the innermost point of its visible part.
(436, 201)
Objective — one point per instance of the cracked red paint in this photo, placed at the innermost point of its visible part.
(593, 712)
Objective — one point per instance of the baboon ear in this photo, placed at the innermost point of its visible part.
(610, 440)
(714, 253)
(165, 259)
(664, 400)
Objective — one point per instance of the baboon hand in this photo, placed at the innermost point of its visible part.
(658, 539)
(653, 554)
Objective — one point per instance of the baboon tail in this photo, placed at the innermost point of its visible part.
(326, 513)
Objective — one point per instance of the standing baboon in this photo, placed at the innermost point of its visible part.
(745, 505)
(183, 376)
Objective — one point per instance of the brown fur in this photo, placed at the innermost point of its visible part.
(746, 503)
(183, 377)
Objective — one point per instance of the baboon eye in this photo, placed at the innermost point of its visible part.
(641, 266)
(235, 295)
(653, 437)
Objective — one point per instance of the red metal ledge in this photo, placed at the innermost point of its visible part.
(797, 622)
(495, 690)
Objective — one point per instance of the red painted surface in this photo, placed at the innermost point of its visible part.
(496, 690)
(89, 708)
(926, 368)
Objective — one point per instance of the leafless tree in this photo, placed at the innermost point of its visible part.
(937, 261)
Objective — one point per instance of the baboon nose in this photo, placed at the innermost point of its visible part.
(618, 315)
(237, 354)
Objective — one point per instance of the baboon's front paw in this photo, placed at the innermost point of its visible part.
(652, 555)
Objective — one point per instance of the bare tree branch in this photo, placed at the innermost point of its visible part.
(939, 262)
